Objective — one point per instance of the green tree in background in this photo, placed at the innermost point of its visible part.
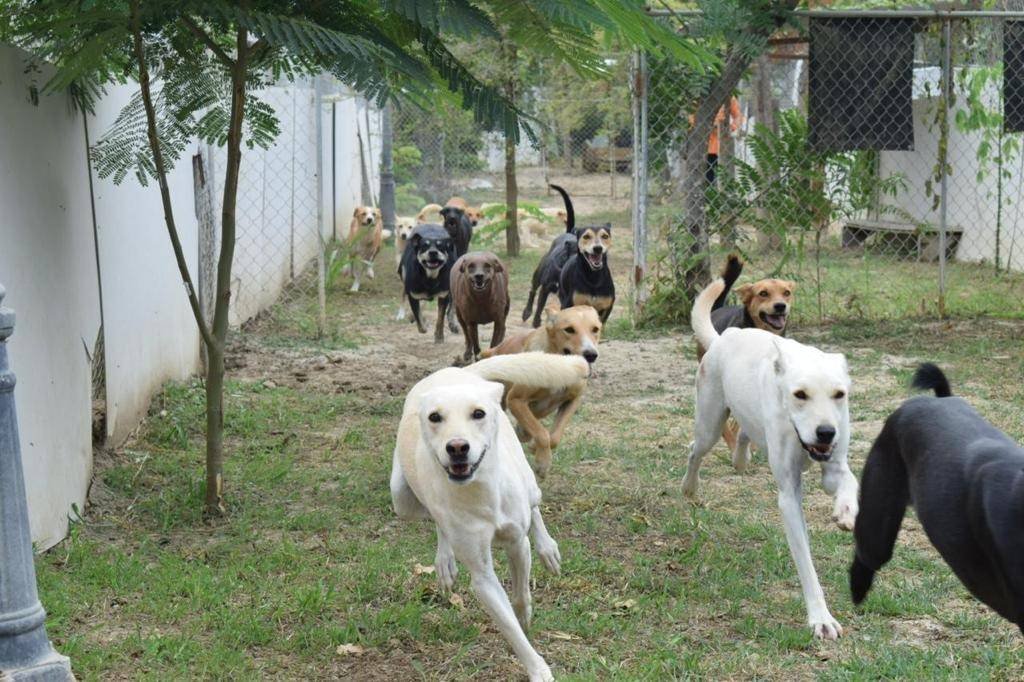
(200, 65)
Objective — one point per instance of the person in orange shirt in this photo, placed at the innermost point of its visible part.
(735, 119)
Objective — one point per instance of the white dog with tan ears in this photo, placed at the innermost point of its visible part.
(458, 462)
(790, 400)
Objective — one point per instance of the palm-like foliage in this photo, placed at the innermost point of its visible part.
(200, 65)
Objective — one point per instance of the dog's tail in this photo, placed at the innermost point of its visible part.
(536, 369)
(700, 316)
(730, 273)
(929, 377)
(570, 214)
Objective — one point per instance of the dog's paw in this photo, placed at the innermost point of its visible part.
(400, 314)
(845, 515)
(550, 556)
(690, 486)
(826, 627)
(453, 327)
(524, 612)
(369, 273)
(354, 287)
(541, 674)
(447, 571)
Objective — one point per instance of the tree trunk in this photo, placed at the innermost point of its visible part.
(690, 240)
(511, 186)
(215, 371)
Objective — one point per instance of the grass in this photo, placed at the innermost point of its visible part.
(310, 556)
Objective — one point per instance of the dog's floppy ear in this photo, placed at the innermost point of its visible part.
(462, 265)
(377, 213)
(496, 263)
(745, 292)
(550, 313)
(355, 213)
(779, 364)
(494, 391)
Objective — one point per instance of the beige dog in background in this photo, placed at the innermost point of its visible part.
(431, 213)
(365, 235)
(458, 462)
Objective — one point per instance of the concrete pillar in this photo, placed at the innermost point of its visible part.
(25, 650)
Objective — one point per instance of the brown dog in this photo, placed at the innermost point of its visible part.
(479, 291)
(365, 234)
(572, 331)
(765, 304)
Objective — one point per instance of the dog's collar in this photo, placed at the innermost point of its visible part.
(472, 469)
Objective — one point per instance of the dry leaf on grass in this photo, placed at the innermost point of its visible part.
(457, 601)
(350, 650)
(565, 636)
(420, 569)
(625, 604)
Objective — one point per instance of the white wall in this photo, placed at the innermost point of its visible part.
(971, 204)
(150, 334)
(47, 264)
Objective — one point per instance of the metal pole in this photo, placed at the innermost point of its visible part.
(387, 175)
(640, 81)
(25, 650)
(947, 92)
(321, 265)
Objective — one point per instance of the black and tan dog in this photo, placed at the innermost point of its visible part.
(766, 304)
(965, 479)
(426, 273)
(575, 268)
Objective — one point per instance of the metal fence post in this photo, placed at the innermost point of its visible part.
(387, 175)
(639, 198)
(947, 93)
(25, 650)
(321, 265)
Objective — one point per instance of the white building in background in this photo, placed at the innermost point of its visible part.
(972, 204)
(55, 261)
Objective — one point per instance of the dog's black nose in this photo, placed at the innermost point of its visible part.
(598, 248)
(780, 307)
(457, 448)
(590, 356)
(825, 434)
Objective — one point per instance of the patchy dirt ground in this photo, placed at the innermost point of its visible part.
(312, 577)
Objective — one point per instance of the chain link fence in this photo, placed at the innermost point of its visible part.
(866, 156)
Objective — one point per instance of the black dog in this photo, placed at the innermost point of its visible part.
(964, 477)
(426, 271)
(575, 267)
(459, 228)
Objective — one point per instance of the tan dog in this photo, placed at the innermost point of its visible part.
(365, 234)
(573, 331)
(558, 214)
(431, 213)
(765, 304)
(403, 230)
(479, 290)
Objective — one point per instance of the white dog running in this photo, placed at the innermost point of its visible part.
(458, 461)
(792, 399)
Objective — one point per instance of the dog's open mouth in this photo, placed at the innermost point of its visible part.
(433, 263)
(460, 472)
(479, 286)
(594, 260)
(818, 452)
(774, 320)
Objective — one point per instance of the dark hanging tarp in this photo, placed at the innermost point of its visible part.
(1013, 76)
(861, 84)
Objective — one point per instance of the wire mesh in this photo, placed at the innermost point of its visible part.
(850, 204)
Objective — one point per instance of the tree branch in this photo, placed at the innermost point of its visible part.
(161, 173)
(198, 31)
